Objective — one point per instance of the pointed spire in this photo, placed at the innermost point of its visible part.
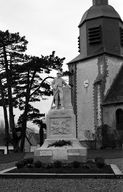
(100, 2)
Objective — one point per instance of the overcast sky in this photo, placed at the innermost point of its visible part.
(49, 25)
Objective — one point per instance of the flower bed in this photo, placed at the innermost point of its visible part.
(92, 166)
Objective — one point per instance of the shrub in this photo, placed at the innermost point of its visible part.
(67, 165)
(100, 162)
(38, 164)
(90, 164)
(86, 166)
(20, 164)
(76, 164)
(49, 166)
(110, 137)
(57, 164)
(28, 161)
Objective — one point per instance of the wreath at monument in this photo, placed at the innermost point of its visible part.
(60, 143)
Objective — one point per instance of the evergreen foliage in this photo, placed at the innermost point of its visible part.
(22, 83)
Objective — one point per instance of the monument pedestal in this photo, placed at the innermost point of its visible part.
(61, 127)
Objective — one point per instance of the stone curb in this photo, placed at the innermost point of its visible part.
(116, 169)
(116, 175)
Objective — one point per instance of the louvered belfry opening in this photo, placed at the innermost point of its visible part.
(95, 35)
(100, 2)
(121, 36)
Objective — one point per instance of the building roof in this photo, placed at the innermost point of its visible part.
(97, 28)
(115, 93)
(81, 58)
(101, 10)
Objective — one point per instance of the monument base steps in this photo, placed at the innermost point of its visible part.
(67, 153)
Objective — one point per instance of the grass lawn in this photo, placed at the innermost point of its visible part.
(106, 154)
(11, 157)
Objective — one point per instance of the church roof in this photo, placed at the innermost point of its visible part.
(81, 58)
(115, 94)
(96, 32)
(76, 59)
(96, 11)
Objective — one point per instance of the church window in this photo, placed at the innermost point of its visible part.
(94, 35)
(121, 36)
(119, 119)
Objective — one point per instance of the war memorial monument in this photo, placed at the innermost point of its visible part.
(61, 142)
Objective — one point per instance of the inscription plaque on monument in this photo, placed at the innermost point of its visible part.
(60, 154)
(60, 126)
(45, 153)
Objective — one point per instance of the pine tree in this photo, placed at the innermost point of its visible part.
(22, 83)
(12, 47)
(32, 86)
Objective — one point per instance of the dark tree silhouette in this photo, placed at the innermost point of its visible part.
(32, 86)
(11, 48)
(22, 83)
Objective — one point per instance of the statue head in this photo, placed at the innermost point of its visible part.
(59, 73)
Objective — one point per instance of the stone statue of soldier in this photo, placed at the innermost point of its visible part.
(57, 85)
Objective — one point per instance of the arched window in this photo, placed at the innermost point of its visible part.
(119, 119)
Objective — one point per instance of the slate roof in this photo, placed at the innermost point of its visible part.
(96, 11)
(115, 94)
(81, 58)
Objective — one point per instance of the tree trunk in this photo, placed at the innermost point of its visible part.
(6, 127)
(5, 117)
(24, 123)
(11, 115)
(41, 134)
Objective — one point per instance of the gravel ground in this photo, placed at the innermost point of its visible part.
(62, 185)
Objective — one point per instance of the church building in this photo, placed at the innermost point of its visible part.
(97, 72)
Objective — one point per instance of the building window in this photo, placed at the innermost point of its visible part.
(121, 36)
(95, 35)
(119, 119)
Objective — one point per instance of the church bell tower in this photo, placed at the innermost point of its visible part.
(94, 72)
(101, 31)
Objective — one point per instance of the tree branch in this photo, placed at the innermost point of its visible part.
(49, 77)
